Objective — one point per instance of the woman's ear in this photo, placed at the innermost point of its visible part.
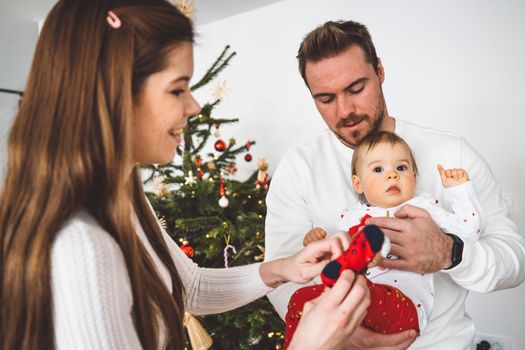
(356, 182)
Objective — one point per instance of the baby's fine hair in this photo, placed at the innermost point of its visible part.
(379, 137)
(374, 139)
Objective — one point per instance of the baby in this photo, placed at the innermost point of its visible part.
(384, 175)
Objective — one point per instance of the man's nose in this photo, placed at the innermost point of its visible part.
(345, 106)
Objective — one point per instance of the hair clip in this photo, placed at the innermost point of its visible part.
(113, 20)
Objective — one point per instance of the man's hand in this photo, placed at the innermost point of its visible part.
(452, 177)
(416, 240)
(365, 339)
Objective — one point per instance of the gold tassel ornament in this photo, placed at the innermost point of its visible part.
(199, 338)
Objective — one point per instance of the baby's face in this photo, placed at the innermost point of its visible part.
(385, 175)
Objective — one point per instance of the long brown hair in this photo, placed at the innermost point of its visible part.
(69, 150)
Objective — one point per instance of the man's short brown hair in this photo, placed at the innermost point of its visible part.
(332, 38)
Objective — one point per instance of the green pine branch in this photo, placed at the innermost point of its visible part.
(218, 66)
(190, 211)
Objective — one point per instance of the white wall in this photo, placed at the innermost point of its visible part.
(17, 43)
(8, 106)
(454, 65)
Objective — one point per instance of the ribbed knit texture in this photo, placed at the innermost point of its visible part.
(92, 298)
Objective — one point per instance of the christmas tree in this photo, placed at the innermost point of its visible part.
(217, 220)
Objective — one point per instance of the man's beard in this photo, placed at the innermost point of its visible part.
(359, 135)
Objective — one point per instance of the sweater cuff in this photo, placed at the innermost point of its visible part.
(460, 191)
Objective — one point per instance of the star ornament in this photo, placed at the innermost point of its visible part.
(220, 90)
(190, 179)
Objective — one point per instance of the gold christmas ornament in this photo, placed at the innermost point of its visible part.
(159, 187)
(262, 174)
(186, 7)
(199, 338)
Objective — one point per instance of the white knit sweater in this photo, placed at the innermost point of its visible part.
(92, 298)
(312, 184)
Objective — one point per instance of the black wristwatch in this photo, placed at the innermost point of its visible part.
(457, 251)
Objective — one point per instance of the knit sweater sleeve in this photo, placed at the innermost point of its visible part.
(211, 291)
(495, 261)
(92, 298)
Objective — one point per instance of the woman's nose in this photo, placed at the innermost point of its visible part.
(192, 107)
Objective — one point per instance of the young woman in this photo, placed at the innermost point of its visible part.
(84, 263)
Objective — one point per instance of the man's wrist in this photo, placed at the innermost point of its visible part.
(447, 252)
(454, 250)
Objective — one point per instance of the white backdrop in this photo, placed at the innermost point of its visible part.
(453, 65)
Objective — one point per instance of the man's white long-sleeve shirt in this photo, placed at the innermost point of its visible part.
(312, 184)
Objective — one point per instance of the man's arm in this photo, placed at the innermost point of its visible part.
(287, 220)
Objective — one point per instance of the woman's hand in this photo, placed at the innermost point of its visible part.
(306, 264)
(328, 321)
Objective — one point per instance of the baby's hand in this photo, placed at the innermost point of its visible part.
(315, 234)
(452, 177)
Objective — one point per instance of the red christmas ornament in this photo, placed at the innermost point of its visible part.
(220, 145)
(248, 157)
(222, 192)
(231, 169)
(200, 173)
(198, 162)
(187, 249)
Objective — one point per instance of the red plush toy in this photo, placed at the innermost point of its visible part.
(365, 244)
(390, 311)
